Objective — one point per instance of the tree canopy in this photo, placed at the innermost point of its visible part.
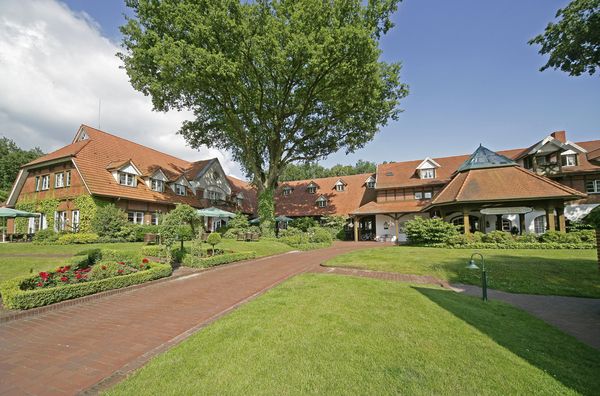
(574, 41)
(11, 159)
(313, 171)
(271, 81)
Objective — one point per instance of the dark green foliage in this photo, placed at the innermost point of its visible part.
(429, 231)
(81, 237)
(593, 218)
(11, 160)
(497, 237)
(573, 226)
(213, 240)
(47, 235)
(313, 171)
(109, 221)
(271, 82)
(573, 42)
(140, 231)
(303, 223)
(179, 224)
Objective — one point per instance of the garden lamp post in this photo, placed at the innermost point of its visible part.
(474, 266)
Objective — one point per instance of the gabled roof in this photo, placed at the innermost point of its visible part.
(504, 183)
(407, 206)
(303, 203)
(65, 152)
(426, 164)
(485, 158)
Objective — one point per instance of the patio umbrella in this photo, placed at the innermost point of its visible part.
(215, 212)
(255, 221)
(283, 218)
(8, 213)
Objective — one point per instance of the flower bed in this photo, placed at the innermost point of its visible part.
(80, 278)
(219, 259)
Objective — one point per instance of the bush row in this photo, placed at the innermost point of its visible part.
(15, 298)
(297, 238)
(516, 245)
(206, 262)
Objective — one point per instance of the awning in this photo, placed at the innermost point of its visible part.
(12, 213)
(215, 212)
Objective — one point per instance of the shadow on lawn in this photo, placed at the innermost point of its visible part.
(574, 364)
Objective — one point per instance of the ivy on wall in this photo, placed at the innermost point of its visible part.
(86, 205)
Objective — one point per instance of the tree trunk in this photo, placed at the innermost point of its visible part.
(266, 211)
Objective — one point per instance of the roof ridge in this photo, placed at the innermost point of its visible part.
(138, 144)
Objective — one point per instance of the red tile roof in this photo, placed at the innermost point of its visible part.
(341, 203)
(64, 152)
(502, 184)
(408, 206)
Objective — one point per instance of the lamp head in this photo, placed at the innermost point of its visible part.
(471, 265)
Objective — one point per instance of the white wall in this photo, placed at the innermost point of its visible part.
(213, 179)
(380, 230)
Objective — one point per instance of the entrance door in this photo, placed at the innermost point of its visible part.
(366, 228)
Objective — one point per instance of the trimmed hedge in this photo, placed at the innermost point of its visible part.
(516, 245)
(15, 298)
(311, 246)
(73, 238)
(206, 262)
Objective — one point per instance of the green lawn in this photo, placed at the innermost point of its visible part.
(328, 334)
(559, 272)
(12, 264)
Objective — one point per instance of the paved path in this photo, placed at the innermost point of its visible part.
(577, 316)
(71, 349)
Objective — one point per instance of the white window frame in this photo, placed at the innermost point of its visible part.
(427, 173)
(135, 217)
(157, 185)
(340, 187)
(37, 183)
(570, 159)
(287, 191)
(180, 189)
(154, 218)
(427, 195)
(59, 180)
(60, 220)
(75, 219)
(370, 184)
(213, 195)
(418, 195)
(127, 179)
(45, 182)
(537, 227)
(68, 178)
(595, 186)
(311, 189)
(322, 202)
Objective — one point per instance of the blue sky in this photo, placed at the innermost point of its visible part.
(473, 79)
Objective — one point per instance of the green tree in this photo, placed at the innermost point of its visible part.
(213, 240)
(271, 81)
(313, 171)
(179, 224)
(574, 41)
(11, 159)
(109, 221)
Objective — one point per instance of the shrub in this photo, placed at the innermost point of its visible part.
(528, 237)
(117, 255)
(73, 238)
(587, 236)
(14, 297)
(429, 231)
(214, 239)
(335, 225)
(550, 236)
(319, 235)
(497, 237)
(140, 231)
(47, 235)
(155, 251)
(518, 245)
(293, 236)
(303, 223)
(205, 262)
(109, 221)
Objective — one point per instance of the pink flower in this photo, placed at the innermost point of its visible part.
(40, 284)
(44, 275)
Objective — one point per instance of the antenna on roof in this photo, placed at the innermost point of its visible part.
(99, 106)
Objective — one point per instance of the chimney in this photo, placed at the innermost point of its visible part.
(561, 136)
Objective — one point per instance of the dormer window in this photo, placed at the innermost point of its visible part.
(370, 182)
(287, 191)
(157, 185)
(569, 159)
(179, 189)
(127, 179)
(311, 189)
(340, 186)
(239, 199)
(322, 202)
(428, 173)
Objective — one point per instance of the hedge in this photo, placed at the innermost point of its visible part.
(15, 298)
(516, 245)
(206, 262)
(311, 245)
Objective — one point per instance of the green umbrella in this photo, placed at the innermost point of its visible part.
(12, 213)
(255, 221)
(215, 212)
(283, 218)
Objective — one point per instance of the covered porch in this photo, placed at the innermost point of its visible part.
(382, 221)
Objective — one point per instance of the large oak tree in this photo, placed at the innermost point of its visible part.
(271, 81)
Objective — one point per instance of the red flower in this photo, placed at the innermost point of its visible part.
(68, 267)
(40, 284)
(78, 276)
(104, 267)
(145, 261)
(44, 275)
(121, 262)
(120, 271)
(64, 279)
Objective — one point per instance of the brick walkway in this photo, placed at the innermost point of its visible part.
(577, 316)
(71, 349)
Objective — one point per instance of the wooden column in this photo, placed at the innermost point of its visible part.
(551, 223)
(522, 223)
(466, 224)
(482, 223)
(356, 219)
(562, 224)
(396, 221)
(499, 222)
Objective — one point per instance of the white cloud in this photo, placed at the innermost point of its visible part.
(54, 67)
